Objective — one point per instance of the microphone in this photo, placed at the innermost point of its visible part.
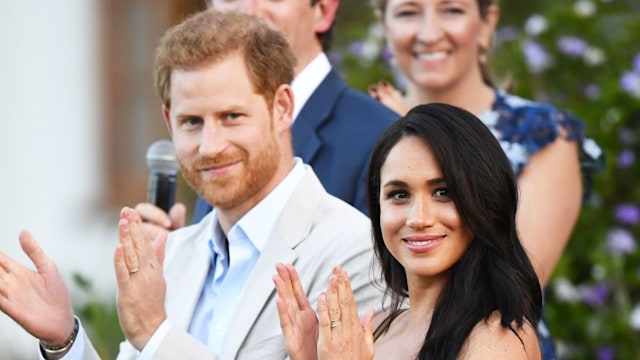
(161, 159)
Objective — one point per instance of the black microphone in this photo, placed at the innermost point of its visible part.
(161, 159)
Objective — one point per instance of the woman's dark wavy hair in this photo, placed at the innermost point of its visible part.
(495, 272)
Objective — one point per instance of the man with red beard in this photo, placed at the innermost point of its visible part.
(334, 127)
(224, 80)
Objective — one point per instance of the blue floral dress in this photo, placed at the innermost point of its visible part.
(523, 128)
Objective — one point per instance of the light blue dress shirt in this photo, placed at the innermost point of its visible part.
(233, 261)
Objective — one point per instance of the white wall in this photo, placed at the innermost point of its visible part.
(50, 149)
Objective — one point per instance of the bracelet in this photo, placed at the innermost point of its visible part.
(58, 349)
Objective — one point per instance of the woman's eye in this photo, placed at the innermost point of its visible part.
(397, 195)
(442, 193)
(405, 13)
(454, 11)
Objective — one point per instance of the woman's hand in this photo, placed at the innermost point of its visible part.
(389, 96)
(342, 334)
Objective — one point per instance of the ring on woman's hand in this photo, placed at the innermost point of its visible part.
(131, 272)
(334, 324)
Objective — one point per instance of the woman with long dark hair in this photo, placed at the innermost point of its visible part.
(443, 206)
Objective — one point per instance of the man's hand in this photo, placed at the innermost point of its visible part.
(37, 300)
(141, 284)
(156, 221)
(297, 319)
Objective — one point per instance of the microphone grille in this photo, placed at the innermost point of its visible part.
(161, 157)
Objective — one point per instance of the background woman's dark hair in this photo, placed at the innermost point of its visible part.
(495, 272)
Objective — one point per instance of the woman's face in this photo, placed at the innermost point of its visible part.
(436, 43)
(420, 224)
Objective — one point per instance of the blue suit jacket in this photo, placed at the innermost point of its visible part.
(335, 133)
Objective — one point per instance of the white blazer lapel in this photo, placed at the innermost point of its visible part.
(185, 272)
(256, 296)
(292, 227)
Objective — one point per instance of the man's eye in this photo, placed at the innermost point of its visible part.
(194, 121)
(233, 116)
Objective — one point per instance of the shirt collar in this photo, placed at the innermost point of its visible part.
(258, 223)
(308, 80)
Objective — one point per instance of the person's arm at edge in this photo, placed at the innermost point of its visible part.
(550, 191)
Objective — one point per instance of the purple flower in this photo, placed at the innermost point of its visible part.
(536, 56)
(630, 82)
(356, 48)
(626, 158)
(620, 241)
(387, 55)
(596, 295)
(572, 46)
(592, 91)
(401, 80)
(505, 34)
(335, 57)
(627, 136)
(606, 353)
(636, 63)
(628, 214)
(536, 25)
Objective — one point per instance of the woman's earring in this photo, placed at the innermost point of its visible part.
(482, 55)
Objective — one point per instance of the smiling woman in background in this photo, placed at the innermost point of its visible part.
(441, 46)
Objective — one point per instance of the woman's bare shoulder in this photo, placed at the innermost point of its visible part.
(490, 340)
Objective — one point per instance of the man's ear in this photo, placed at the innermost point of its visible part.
(167, 119)
(325, 14)
(282, 108)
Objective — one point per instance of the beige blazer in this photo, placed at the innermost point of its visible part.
(315, 231)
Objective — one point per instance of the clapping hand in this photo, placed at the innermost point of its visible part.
(342, 335)
(297, 319)
(336, 333)
(141, 284)
(38, 300)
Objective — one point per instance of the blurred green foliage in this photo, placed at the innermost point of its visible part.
(99, 318)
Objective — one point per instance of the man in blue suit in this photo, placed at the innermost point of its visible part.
(335, 127)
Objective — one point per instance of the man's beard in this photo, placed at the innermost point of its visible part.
(230, 190)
